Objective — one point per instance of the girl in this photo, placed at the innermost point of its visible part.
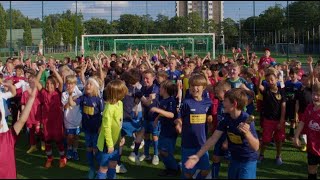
(109, 136)
(52, 115)
(91, 106)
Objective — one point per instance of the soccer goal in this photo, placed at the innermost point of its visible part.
(294, 49)
(193, 43)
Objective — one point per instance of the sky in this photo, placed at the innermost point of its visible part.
(102, 9)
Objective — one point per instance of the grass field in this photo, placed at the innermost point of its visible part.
(31, 165)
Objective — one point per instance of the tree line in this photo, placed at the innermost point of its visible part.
(271, 26)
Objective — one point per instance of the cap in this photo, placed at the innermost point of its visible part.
(266, 49)
(154, 58)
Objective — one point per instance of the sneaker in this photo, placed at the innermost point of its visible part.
(132, 157)
(32, 149)
(63, 162)
(48, 163)
(287, 124)
(260, 159)
(132, 145)
(144, 157)
(69, 154)
(76, 156)
(140, 147)
(304, 148)
(121, 169)
(279, 161)
(43, 146)
(155, 160)
(91, 174)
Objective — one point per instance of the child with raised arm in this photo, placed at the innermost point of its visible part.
(191, 122)
(242, 138)
(168, 135)
(72, 117)
(52, 115)
(309, 123)
(91, 106)
(8, 139)
(109, 136)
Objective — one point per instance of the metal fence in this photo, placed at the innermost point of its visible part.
(259, 24)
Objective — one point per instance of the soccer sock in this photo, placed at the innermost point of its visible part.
(101, 175)
(171, 162)
(136, 148)
(32, 138)
(155, 147)
(312, 176)
(291, 132)
(48, 150)
(304, 137)
(146, 147)
(61, 149)
(111, 174)
(215, 168)
(90, 159)
(119, 159)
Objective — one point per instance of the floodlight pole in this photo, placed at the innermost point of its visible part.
(287, 30)
(239, 30)
(76, 29)
(254, 25)
(10, 44)
(42, 28)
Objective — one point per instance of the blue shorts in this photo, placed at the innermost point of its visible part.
(149, 129)
(105, 157)
(167, 144)
(131, 126)
(203, 164)
(242, 170)
(91, 139)
(75, 131)
(218, 151)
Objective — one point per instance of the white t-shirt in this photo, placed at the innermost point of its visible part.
(72, 115)
(3, 98)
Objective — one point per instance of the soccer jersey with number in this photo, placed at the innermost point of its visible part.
(237, 143)
(193, 114)
(167, 124)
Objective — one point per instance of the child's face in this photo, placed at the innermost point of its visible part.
(293, 76)
(220, 94)
(70, 87)
(228, 106)
(50, 86)
(272, 81)
(142, 69)
(196, 91)
(305, 81)
(316, 98)
(89, 88)
(31, 81)
(162, 91)
(234, 72)
(160, 79)
(148, 79)
(191, 66)
(172, 64)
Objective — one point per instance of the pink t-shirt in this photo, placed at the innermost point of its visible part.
(311, 121)
(35, 113)
(7, 154)
(52, 115)
(264, 60)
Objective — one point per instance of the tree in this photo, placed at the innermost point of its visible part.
(27, 35)
(129, 24)
(178, 24)
(210, 26)
(230, 31)
(195, 23)
(97, 26)
(49, 37)
(161, 24)
(18, 19)
(35, 23)
(3, 34)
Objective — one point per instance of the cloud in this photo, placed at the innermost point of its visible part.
(98, 7)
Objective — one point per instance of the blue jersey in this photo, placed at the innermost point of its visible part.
(174, 76)
(237, 83)
(91, 108)
(167, 125)
(250, 107)
(194, 115)
(237, 144)
(220, 112)
(146, 91)
(291, 89)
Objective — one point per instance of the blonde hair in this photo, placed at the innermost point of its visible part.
(237, 95)
(115, 91)
(71, 79)
(198, 80)
(222, 86)
(95, 81)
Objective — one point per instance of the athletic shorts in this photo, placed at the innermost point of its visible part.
(270, 131)
(313, 159)
(203, 163)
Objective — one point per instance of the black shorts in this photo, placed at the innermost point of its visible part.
(313, 159)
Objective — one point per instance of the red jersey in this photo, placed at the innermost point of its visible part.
(35, 113)
(311, 119)
(264, 60)
(7, 154)
(214, 100)
(52, 115)
(300, 73)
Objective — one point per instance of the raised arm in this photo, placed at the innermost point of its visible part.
(57, 75)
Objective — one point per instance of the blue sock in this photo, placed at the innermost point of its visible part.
(136, 148)
(119, 159)
(101, 175)
(146, 147)
(90, 159)
(215, 168)
(111, 174)
(155, 147)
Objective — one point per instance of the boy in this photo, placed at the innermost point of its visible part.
(194, 113)
(72, 117)
(242, 138)
(273, 123)
(310, 124)
(173, 73)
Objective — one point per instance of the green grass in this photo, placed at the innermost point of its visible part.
(31, 165)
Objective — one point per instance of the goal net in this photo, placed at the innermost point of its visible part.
(194, 44)
(294, 49)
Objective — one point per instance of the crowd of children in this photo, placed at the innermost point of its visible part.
(155, 98)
